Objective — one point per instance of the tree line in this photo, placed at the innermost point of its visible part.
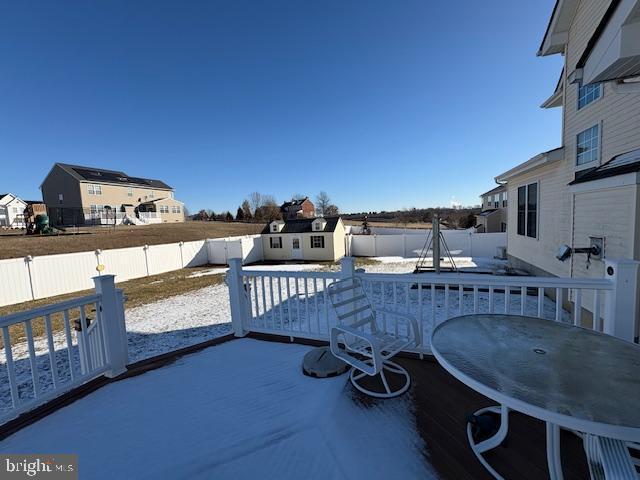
(262, 208)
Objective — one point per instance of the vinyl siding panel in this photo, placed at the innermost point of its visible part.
(554, 229)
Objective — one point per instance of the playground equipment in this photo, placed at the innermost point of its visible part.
(37, 220)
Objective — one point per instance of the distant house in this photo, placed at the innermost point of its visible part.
(87, 195)
(11, 211)
(493, 217)
(300, 208)
(317, 239)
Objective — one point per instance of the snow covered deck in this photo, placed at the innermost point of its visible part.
(243, 409)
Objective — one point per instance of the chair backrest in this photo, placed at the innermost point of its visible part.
(351, 304)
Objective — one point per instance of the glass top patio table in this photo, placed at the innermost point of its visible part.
(566, 375)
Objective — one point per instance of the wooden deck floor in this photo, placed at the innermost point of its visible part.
(442, 405)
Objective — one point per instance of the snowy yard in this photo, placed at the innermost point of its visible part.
(259, 417)
(194, 317)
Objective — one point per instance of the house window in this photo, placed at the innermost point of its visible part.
(504, 199)
(94, 189)
(295, 243)
(588, 94)
(151, 194)
(274, 228)
(175, 209)
(317, 241)
(588, 145)
(496, 201)
(275, 242)
(528, 210)
(164, 208)
(129, 192)
(60, 198)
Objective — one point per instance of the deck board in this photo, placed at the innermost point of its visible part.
(442, 404)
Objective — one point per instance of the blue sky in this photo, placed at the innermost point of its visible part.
(383, 104)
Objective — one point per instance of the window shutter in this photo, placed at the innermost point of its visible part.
(311, 239)
(270, 242)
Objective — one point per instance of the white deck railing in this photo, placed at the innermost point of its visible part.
(295, 304)
(90, 342)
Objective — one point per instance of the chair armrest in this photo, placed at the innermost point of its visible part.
(411, 320)
(376, 355)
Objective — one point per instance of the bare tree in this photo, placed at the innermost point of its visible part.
(247, 213)
(331, 210)
(298, 196)
(256, 200)
(322, 202)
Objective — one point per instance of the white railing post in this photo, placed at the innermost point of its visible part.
(237, 297)
(112, 316)
(621, 300)
(347, 267)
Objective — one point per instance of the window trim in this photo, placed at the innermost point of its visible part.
(600, 95)
(272, 243)
(526, 210)
(598, 148)
(316, 237)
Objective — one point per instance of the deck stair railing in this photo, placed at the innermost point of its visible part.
(50, 350)
(295, 304)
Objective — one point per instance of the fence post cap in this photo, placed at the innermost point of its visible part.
(28, 258)
(98, 251)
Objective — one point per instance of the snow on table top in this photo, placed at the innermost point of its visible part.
(239, 410)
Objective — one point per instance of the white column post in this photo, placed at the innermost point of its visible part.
(347, 267)
(112, 316)
(621, 302)
(237, 297)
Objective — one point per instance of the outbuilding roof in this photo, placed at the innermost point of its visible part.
(303, 225)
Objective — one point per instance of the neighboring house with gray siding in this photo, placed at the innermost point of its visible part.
(79, 195)
(587, 190)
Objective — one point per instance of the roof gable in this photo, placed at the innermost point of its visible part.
(557, 33)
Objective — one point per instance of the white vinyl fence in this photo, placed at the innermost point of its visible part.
(30, 278)
(461, 243)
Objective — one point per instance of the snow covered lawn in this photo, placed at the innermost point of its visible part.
(200, 315)
(258, 417)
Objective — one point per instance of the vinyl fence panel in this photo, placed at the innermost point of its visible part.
(15, 286)
(58, 274)
(124, 263)
(164, 258)
(194, 254)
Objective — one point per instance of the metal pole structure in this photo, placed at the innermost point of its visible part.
(436, 242)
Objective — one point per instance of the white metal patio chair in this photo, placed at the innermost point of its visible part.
(363, 343)
(609, 459)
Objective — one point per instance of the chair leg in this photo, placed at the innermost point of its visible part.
(491, 442)
(356, 376)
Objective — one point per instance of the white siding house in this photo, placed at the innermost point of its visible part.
(586, 191)
(11, 211)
